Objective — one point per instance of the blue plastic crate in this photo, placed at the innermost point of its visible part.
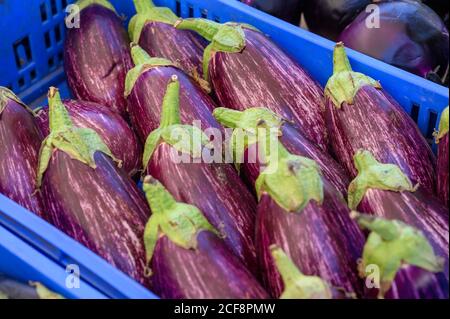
(23, 263)
(31, 61)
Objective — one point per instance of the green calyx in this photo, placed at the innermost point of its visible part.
(375, 175)
(79, 143)
(296, 284)
(228, 37)
(180, 222)
(187, 139)
(6, 95)
(83, 4)
(443, 126)
(344, 84)
(392, 244)
(143, 62)
(147, 12)
(45, 293)
(292, 181)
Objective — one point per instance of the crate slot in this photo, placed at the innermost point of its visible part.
(60, 56)
(57, 33)
(217, 19)
(21, 82)
(54, 7)
(204, 13)
(415, 111)
(51, 62)
(22, 52)
(43, 10)
(190, 11)
(432, 121)
(33, 74)
(47, 39)
(178, 7)
(64, 4)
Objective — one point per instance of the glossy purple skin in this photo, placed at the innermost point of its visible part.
(101, 208)
(329, 18)
(111, 127)
(322, 240)
(183, 47)
(296, 144)
(218, 192)
(97, 58)
(288, 10)
(263, 75)
(20, 141)
(418, 209)
(388, 133)
(442, 170)
(210, 272)
(411, 36)
(145, 101)
(416, 283)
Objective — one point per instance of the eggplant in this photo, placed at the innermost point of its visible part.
(111, 127)
(20, 140)
(288, 10)
(308, 218)
(175, 155)
(246, 70)
(90, 198)
(252, 164)
(145, 87)
(410, 36)
(399, 262)
(329, 18)
(188, 258)
(153, 29)
(97, 56)
(388, 133)
(299, 286)
(384, 191)
(443, 158)
(12, 289)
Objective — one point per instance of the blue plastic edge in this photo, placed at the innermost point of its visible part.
(23, 263)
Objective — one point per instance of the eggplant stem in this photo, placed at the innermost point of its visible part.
(139, 55)
(170, 114)
(341, 62)
(143, 6)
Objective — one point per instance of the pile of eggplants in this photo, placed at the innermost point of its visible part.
(20, 140)
(111, 127)
(288, 10)
(88, 196)
(246, 70)
(389, 133)
(153, 29)
(215, 187)
(97, 56)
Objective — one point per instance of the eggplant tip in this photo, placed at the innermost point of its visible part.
(133, 44)
(339, 44)
(52, 91)
(174, 78)
(354, 214)
(149, 180)
(178, 22)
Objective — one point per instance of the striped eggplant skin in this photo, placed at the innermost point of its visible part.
(112, 128)
(296, 144)
(442, 169)
(145, 101)
(262, 74)
(412, 282)
(183, 47)
(418, 209)
(20, 140)
(218, 192)
(97, 58)
(211, 271)
(101, 208)
(322, 240)
(388, 133)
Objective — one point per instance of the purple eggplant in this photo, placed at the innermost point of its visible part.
(97, 56)
(252, 164)
(88, 197)
(111, 127)
(388, 133)
(443, 158)
(329, 18)
(175, 154)
(153, 29)
(246, 70)
(288, 10)
(398, 261)
(145, 87)
(409, 35)
(20, 140)
(383, 190)
(309, 219)
(188, 258)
